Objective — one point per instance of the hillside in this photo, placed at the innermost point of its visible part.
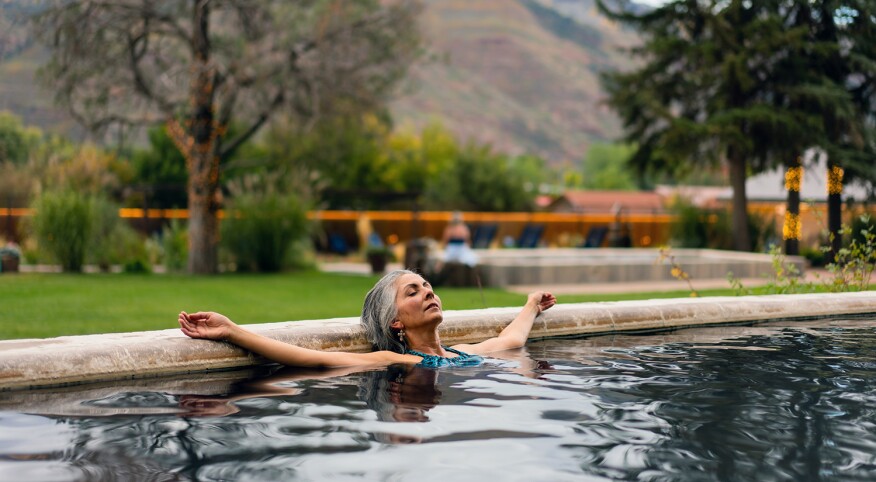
(519, 74)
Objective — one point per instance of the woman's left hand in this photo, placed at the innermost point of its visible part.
(542, 300)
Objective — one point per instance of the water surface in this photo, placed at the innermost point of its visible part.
(791, 401)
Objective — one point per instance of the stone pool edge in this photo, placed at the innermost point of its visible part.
(73, 360)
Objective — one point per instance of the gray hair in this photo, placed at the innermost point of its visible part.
(380, 310)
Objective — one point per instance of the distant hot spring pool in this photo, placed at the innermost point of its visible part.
(776, 401)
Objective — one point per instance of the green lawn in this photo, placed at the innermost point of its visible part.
(46, 305)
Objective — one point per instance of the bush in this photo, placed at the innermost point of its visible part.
(62, 225)
(700, 228)
(105, 221)
(259, 230)
(816, 257)
(704, 228)
(861, 226)
(175, 246)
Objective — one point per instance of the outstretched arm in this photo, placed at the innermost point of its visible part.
(214, 326)
(517, 332)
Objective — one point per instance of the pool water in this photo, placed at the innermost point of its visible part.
(780, 401)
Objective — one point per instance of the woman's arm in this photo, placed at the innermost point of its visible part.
(214, 326)
(517, 332)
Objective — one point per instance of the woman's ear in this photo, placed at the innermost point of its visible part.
(397, 325)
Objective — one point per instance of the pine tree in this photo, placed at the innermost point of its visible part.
(724, 82)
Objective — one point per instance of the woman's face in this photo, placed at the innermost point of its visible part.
(417, 304)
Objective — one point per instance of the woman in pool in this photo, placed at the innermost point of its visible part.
(401, 315)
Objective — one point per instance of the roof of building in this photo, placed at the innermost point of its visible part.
(609, 201)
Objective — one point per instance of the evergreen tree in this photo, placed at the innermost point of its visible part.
(720, 82)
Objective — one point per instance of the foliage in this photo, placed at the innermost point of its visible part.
(786, 278)
(62, 225)
(675, 269)
(480, 180)
(20, 151)
(762, 231)
(88, 169)
(816, 257)
(200, 67)
(711, 228)
(381, 250)
(605, 167)
(174, 244)
(699, 228)
(359, 163)
(113, 241)
(851, 270)
(16, 141)
(163, 168)
(854, 264)
(105, 222)
(737, 82)
(261, 225)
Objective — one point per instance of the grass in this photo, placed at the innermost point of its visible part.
(46, 305)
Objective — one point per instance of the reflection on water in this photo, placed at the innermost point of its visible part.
(787, 402)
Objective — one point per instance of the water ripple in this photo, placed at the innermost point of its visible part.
(776, 401)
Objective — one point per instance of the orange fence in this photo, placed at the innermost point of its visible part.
(559, 229)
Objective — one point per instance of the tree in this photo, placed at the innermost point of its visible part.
(197, 65)
(16, 141)
(848, 24)
(480, 180)
(604, 167)
(705, 94)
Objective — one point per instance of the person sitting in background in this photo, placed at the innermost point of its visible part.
(456, 242)
(401, 315)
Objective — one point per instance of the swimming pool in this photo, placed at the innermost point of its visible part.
(780, 400)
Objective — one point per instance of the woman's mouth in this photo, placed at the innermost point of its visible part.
(432, 305)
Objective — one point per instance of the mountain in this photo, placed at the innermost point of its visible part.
(521, 75)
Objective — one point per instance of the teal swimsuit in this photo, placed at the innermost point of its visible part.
(435, 361)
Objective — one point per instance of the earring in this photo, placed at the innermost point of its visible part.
(401, 336)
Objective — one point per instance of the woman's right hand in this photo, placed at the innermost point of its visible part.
(206, 324)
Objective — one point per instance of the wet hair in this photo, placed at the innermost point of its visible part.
(378, 312)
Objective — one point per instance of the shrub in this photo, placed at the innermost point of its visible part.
(854, 264)
(259, 230)
(105, 221)
(712, 228)
(700, 228)
(175, 246)
(816, 257)
(62, 225)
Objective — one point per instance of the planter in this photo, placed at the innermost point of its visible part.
(378, 262)
(9, 263)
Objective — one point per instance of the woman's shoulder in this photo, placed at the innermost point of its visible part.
(393, 357)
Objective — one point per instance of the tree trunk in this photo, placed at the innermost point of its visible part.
(791, 229)
(834, 208)
(742, 237)
(203, 162)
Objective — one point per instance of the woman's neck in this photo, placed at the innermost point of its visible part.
(428, 343)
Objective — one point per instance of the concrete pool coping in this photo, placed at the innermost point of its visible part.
(73, 360)
(596, 267)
